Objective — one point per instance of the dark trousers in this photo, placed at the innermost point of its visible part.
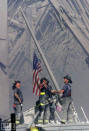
(43, 116)
(40, 116)
(46, 114)
(52, 108)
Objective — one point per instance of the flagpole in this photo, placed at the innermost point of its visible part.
(40, 51)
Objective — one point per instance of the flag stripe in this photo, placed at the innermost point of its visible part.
(36, 70)
(37, 87)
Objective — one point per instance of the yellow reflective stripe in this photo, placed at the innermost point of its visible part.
(42, 93)
(41, 104)
(40, 121)
(34, 129)
(46, 121)
(17, 122)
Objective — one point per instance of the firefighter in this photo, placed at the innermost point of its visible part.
(66, 99)
(42, 103)
(46, 105)
(52, 107)
(49, 113)
(18, 102)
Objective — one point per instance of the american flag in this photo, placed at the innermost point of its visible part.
(36, 70)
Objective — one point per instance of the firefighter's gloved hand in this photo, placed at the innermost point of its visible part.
(49, 100)
(54, 100)
(21, 104)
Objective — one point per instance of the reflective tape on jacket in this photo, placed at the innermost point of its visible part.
(42, 93)
(41, 104)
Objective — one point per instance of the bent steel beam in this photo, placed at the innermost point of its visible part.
(40, 51)
(78, 35)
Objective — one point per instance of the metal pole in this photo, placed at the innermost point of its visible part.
(29, 126)
(84, 115)
(40, 51)
(57, 115)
